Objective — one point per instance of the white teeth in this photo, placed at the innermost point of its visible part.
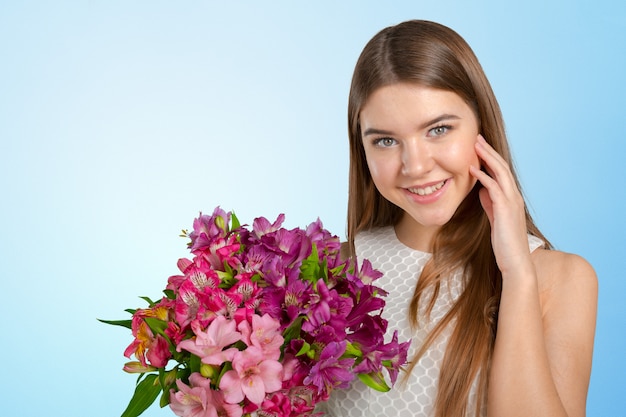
(427, 190)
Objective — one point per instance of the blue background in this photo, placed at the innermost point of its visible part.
(121, 120)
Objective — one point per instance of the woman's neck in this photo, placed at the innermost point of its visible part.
(415, 235)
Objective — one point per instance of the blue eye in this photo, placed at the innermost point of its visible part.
(439, 130)
(384, 142)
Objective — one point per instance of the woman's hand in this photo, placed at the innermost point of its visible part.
(504, 205)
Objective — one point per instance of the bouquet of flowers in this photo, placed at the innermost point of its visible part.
(263, 322)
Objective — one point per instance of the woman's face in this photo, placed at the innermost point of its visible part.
(419, 145)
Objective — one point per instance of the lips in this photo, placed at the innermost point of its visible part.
(423, 191)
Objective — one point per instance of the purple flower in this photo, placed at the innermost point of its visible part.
(395, 354)
(208, 228)
(326, 242)
(261, 226)
(367, 273)
(327, 308)
(331, 371)
(367, 302)
(369, 333)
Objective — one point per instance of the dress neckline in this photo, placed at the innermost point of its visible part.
(390, 232)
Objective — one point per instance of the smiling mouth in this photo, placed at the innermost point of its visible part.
(427, 190)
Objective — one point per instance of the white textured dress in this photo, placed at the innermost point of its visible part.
(401, 267)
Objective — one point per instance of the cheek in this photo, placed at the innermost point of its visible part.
(466, 155)
(376, 168)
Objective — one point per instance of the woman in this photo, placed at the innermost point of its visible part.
(502, 325)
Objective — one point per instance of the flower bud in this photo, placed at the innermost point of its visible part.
(208, 371)
(170, 377)
(135, 367)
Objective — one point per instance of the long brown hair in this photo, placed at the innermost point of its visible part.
(435, 56)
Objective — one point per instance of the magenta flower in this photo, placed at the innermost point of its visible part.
(159, 353)
(327, 308)
(208, 228)
(209, 345)
(252, 376)
(395, 354)
(200, 400)
(297, 402)
(367, 273)
(324, 241)
(261, 226)
(331, 371)
(276, 405)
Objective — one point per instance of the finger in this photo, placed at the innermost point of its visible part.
(495, 165)
(485, 178)
(490, 151)
(485, 201)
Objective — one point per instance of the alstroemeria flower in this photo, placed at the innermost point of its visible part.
(327, 308)
(331, 371)
(326, 243)
(159, 352)
(208, 228)
(261, 226)
(135, 367)
(139, 346)
(395, 353)
(209, 345)
(264, 334)
(144, 337)
(252, 377)
(200, 400)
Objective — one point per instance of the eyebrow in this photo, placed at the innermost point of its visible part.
(438, 119)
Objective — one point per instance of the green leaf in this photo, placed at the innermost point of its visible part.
(170, 294)
(227, 280)
(227, 366)
(352, 351)
(306, 347)
(194, 363)
(157, 326)
(235, 221)
(123, 323)
(165, 398)
(148, 300)
(310, 269)
(145, 394)
(293, 331)
(374, 380)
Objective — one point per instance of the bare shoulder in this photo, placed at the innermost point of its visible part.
(562, 275)
(568, 292)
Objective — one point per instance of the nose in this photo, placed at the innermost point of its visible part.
(416, 158)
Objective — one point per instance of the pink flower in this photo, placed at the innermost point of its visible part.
(159, 353)
(261, 226)
(209, 345)
(200, 400)
(252, 376)
(264, 334)
(145, 339)
(277, 405)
